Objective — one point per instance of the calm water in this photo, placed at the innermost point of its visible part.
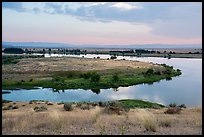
(186, 88)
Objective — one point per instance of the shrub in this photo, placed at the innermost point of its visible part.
(149, 72)
(85, 107)
(103, 104)
(40, 108)
(166, 123)
(14, 50)
(173, 110)
(95, 77)
(86, 75)
(178, 70)
(157, 72)
(97, 91)
(6, 101)
(115, 107)
(149, 123)
(115, 78)
(6, 108)
(122, 130)
(68, 106)
(59, 103)
(182, 106)
(167, 71)
(168, 78)
(100, 103)
(172, 105)
(15, 107)
(113, 57)
(49, 103)
(102, 130)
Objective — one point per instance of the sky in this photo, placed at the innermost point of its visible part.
(103, 22)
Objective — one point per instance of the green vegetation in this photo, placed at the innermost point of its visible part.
(149, 123)
(131, 104)
(6, 101)
(14, 59)
(172, 105)
(95, 77)
(115, 77)
(166, 123)
(175, 105)
(10, 107)
(173, 110)
(40, 108)
(116, 105)
(14, 50)
(68, 106)
(94, 80)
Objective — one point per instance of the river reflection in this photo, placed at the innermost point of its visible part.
(183, 89)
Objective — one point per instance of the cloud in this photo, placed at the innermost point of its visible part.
(17, 6)
(174, 19)
(52, 8)
(183, 20)
(36, 10)
(125, 6)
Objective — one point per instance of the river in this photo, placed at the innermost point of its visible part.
(184, 89)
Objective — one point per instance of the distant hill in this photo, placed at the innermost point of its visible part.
(64, 45)
(34, 45)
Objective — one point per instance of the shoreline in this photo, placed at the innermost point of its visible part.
(183, 55)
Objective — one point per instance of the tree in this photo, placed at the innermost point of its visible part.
(14, 50)
(97, 91)
(95, 77)
(149, 72)
(115, 77)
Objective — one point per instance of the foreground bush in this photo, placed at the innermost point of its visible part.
(166, 123)
(40, 108)
(115, 107)
(68, 106)
(149, 122)
(85, 107)
(173, 110)
(172, 105)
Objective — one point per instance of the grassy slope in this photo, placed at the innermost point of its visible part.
(69, 79)
(81, 83)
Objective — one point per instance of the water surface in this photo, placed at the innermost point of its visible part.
(183, 89)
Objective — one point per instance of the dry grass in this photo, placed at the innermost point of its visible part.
(166, 122)
(32, 68)
(60, 64)
(89, 122)
(148, 120)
